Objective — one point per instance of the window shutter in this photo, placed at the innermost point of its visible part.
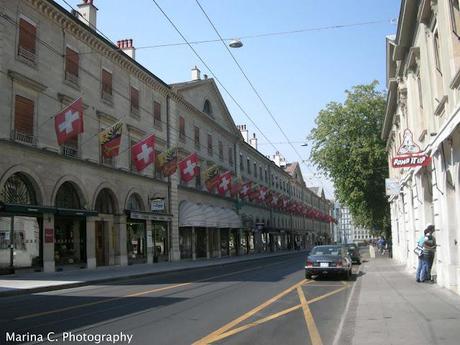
(24, 116)
(27, 35)
(106, 82)
(134, 99)
(72, 62)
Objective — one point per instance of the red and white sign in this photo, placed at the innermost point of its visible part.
(143, 153)
(69, 122)
(409, 153)
(188, 167)
(225, 183)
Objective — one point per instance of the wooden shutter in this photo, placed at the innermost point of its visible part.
(134, 98)
(157, 113)
(72, 62)
(24, 116)
(27, 38)
(106, 82)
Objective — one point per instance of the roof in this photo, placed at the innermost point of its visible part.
(290, 167)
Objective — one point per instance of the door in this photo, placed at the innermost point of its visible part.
(100, 244)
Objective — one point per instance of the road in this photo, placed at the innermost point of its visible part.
(265, 301)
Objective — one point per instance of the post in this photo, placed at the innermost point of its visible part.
(48, 246)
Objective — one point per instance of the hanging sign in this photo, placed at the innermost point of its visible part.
(157, 204)
(409, 153)
(49, 235)
(391, 186)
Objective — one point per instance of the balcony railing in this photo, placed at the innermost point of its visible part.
(24, 138)
(26, 54)
(70, 152)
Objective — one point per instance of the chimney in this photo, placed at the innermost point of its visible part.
(127, 47)
(196, 73)
(253, 141)
(244, 132)
(88, 13)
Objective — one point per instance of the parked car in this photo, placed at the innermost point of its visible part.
(353, 250)
(329, 259)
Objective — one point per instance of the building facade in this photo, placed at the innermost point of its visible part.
(423, 79)
(69, 205)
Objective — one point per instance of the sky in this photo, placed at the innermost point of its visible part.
(295, 74)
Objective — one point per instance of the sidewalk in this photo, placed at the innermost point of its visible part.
(36, 282)
(389, 307)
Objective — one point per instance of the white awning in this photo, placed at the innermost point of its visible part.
(203, 215)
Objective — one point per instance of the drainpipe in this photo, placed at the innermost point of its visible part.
(168, 143)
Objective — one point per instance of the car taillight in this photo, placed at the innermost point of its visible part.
(309, 263)
(339, 263)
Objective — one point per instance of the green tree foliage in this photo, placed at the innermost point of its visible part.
(346, 145)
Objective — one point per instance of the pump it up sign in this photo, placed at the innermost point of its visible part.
(409, 154)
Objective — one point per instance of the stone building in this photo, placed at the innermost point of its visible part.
(64, 206)
(423, 79)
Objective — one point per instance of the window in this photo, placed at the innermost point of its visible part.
(455, 15)
(221, 151)
(230, 156)
(260, 173)
(196, 132)
(24, 119)
(255, 170)
(106, 85)
(134, 101)
(248, 163)
(210, 144)
(157, 114)
(207, 107)
(241, 162)
(27, 40)
(72, 62)
(436, 51)
(181, 128)
(420, 95)
(266, 176)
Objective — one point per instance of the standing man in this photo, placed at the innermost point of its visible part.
(421, 272)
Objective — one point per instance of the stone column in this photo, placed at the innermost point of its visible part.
(193, 244)
(219, 239)
(110, 238)
(48, 248)
(91, 242)
(121, 244)
(208, 245)
(148, 230)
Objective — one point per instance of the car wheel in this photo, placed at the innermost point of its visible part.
(307, 276)
(358, 262)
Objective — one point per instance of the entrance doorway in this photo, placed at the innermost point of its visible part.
(70, 242)
(160, 241)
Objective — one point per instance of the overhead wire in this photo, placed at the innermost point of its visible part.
(254, 88)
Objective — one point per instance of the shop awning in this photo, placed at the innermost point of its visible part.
(204, 215)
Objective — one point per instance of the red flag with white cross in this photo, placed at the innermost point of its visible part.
(143, 153)
(245, 189)
(188, 167)
(69, 122)
(225, 183)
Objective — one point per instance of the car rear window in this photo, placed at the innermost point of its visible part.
(326, 251)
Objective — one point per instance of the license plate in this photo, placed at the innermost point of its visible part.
(324, 264)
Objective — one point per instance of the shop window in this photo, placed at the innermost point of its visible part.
(24, 120)
(18, 190)
(105, 202)
(27, 40)
(72, 62)
(157, 114)
(67, 197)
(106, 85)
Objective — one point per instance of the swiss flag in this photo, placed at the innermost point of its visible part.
(69, 122)
(245, 189)
(143, 153)
(263, 194)
(188, 167)
(225, 183)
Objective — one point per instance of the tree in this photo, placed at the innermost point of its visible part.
(346, 145)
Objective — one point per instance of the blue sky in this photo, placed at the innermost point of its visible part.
(296, 75)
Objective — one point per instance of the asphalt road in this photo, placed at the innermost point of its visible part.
(265, 301)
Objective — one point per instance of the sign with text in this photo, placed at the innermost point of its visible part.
(157, 204)
(411, 161)
(391, 186)
(49, 235)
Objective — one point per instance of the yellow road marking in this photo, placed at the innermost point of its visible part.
(319, 298)
(256, 323)
(99, 302)
(210, 338)
(311, 325)
(138, 293)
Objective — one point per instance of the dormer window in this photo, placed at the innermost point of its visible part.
(207, 107)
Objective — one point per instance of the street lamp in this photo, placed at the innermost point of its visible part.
(235, 43)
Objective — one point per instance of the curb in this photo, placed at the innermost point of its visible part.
(18, 292)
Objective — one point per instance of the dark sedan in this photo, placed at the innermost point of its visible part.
(326, 260)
